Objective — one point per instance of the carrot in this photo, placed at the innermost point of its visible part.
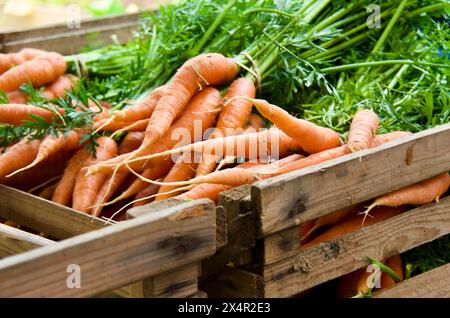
(184, 169)
(268, 143)
(64, 189)
(354, 223)
(353, 283)
(20, 155)
(203, 70)
(395, 263)
(107, 125)
(204, 191)
(330, 219)
(312, 138)
(130, 143)
(51, 145)
(47, 192)
(363, 128)
(15, 114)
(39, 71)
(254, 123)
(420, 193)
(9, 60)
(384, 138)
(87, 187)
(60, 87)
(151, 190)
(231, 118)
(198, 115)
(17, 97)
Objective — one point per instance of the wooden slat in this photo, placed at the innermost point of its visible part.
(199, 294)
(64, 40)
(309, 193)
(115, 255)
(14, 241)
(432, 284)
(347, 253)
(280, 245)
(44, 216)
(234, 283)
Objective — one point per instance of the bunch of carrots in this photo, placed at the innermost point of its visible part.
(141, 155)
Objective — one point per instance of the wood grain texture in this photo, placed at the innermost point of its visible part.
(309, 193)
(347, 253)
(66, 41)
(44, 216)
(431, 284)
(15, 241)
(234, 283)
(115, 255)
(280, 245)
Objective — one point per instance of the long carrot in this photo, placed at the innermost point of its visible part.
(312, 138)
(142, 198)
(354, 283)
(47, 192)
(39, 71)
(20, 155)
(131, 142)
(60, 87)
(107, 125)
(384, 138)
(15, 114)
(363, 128)
(423, 192)
(64, 189)
(17, 97)
(51, 145)
(9, 60)
(254, 123)
(87, 187)
(354, 223)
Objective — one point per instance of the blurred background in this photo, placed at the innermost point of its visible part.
(18, 15)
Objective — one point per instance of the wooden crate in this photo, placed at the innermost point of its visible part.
(279, 205)
(65, 40)
(158, 253)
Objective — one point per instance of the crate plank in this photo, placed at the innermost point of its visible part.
(345, 254)
(65, 40)
(127, 251)
(234, 283)
(309, 193)
(432, 284)
(44, 216)
(14, 241)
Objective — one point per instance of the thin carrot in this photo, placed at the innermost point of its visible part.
(51, 145)
(64, 189)
(20, 155)
(230, 119)
(9, 60)
(107, 125)
(87, 187)
(15, 114)
(363, 128)
(384, 138)
(60, 87)
(39, 71)
(354, 223)
(420, 193)
(131, 142)
(184, 169)
(312, 138)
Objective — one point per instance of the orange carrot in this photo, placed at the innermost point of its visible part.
(87, 187)
(20, 155)
(51, 145)
(199, 115)
(184, 169)
(203, 70)
(131, 142)
(17, 97)
(254, 123)
(64, 189)
(107, 125)
(384, 138)
(312, 138)
(230, 119)
(423, 192)
(60, 87)
(353, 283)
(204, 191)
(9, 60)
(150, 191)
(395, 263)
(39, 71)
(15, 114)
(354, 223)
(47, 192)
(363, 128)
